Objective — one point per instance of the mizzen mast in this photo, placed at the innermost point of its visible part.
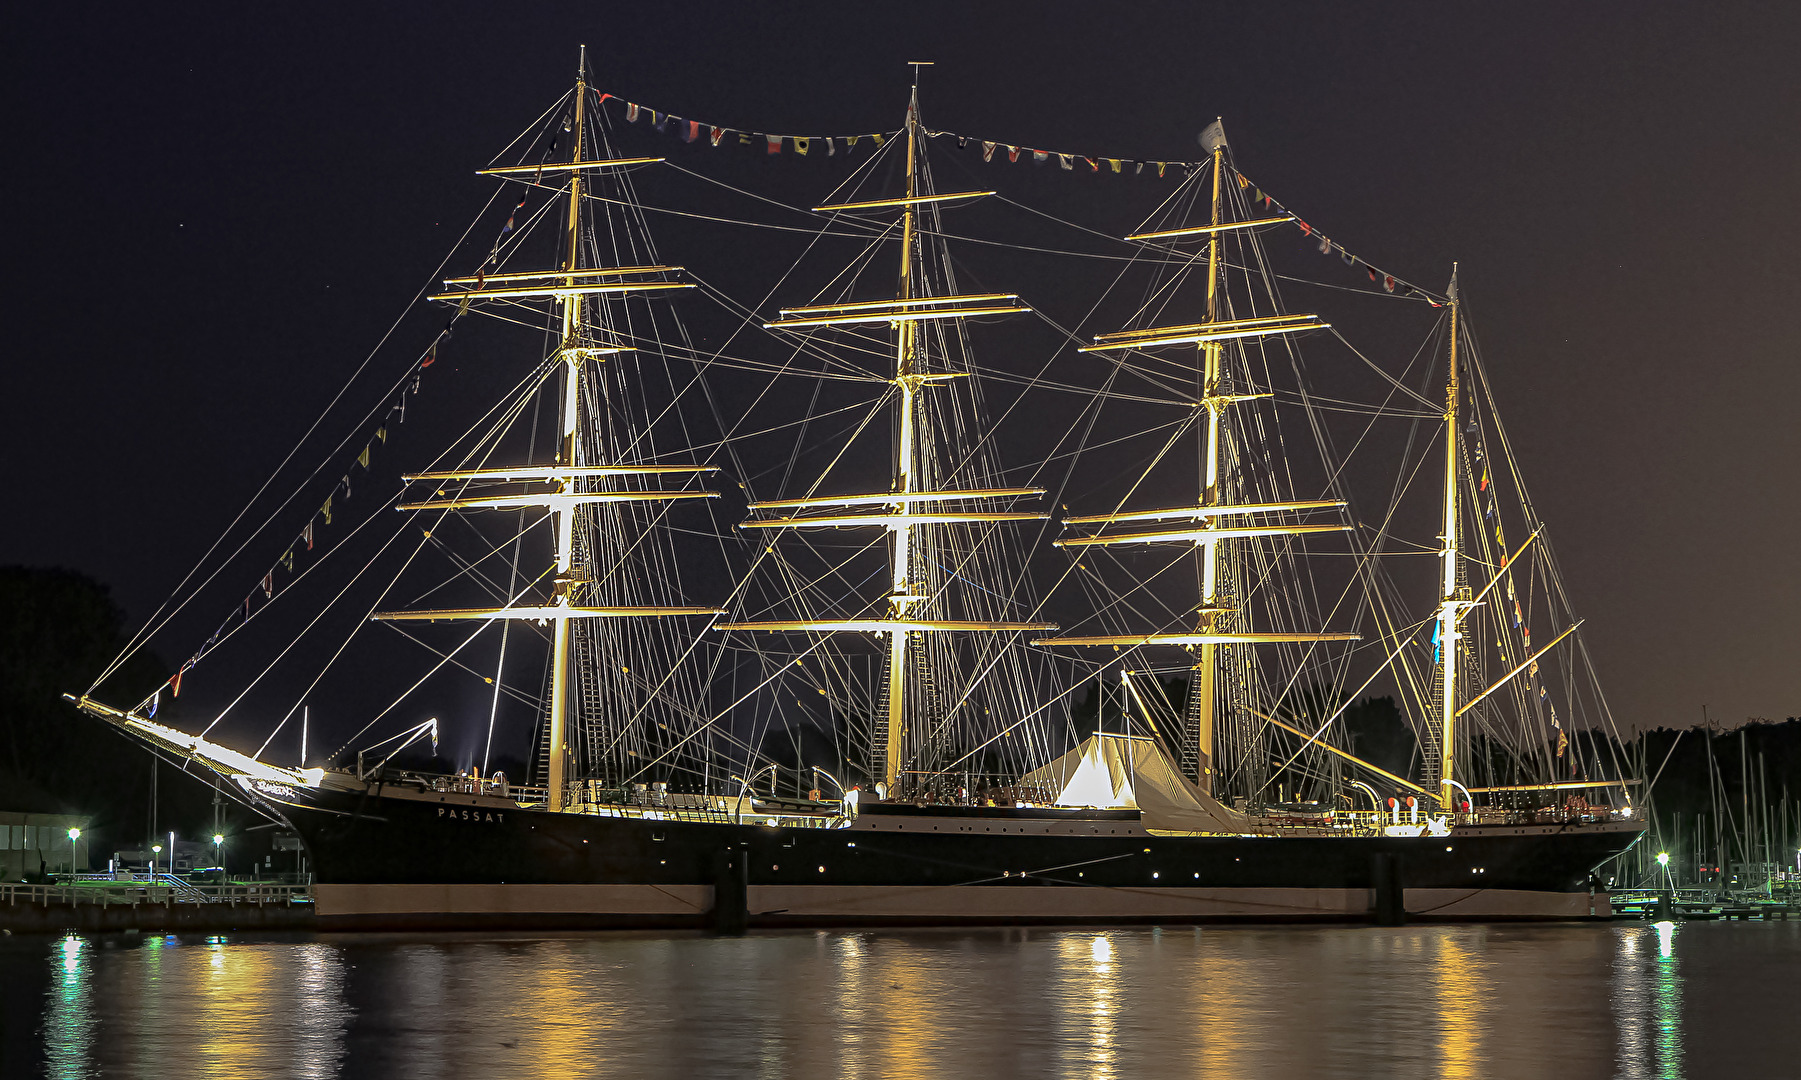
(1451, 603)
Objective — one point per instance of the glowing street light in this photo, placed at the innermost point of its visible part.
(1663, 858)
(74, 835)
(218, 838)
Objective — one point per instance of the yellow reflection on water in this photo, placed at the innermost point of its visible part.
(1088, 1000)
(1462, 994)
(1222, 991)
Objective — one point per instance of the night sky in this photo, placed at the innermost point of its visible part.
(216, 211)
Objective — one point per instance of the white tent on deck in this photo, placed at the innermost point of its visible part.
(1128, 771)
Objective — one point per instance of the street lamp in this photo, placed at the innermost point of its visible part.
(155, 850)
(74, 835)
(1663, 859)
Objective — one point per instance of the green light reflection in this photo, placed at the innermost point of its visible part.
(69, 1019)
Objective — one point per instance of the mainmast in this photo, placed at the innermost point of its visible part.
(1450, 602)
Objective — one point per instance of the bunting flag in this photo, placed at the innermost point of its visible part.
(287, 559)
(307, 534)
(269, 585)
(1518, 619)
(1563, 742)
(155, 700)
(690, 131)
(325, 511)
(988, 151)
(1376, 275)
(363, 458)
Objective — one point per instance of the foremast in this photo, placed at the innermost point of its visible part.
(1217, 521)
(911, 503)
(581, 473)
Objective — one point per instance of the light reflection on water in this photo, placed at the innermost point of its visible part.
(1628, 1000)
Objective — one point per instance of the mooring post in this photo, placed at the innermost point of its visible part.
(1390, 906)
(731, 892)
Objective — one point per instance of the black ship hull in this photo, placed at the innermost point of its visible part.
(411, 859)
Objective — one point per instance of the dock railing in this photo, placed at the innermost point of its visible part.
(165, 889)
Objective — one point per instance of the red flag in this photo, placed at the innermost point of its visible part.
(775, 143)
(715, 134)
(1389, 283)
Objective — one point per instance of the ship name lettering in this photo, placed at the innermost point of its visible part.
(493, 816)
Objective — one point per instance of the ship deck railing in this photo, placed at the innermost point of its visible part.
(648, 802)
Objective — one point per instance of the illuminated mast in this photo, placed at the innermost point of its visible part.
(1214, 517)
(906, 504)
(564, 511)
(1450, 603)
(571, 477)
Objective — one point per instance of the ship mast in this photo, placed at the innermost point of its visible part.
(908, 381)
(1205, 696)
(910, 502)
(570, 476)
(1215, 519)
(1450, 602)
(571, 304)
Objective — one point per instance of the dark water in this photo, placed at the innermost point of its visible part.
(1627, 1000)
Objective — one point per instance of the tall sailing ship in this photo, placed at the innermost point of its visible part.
(899, 688)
